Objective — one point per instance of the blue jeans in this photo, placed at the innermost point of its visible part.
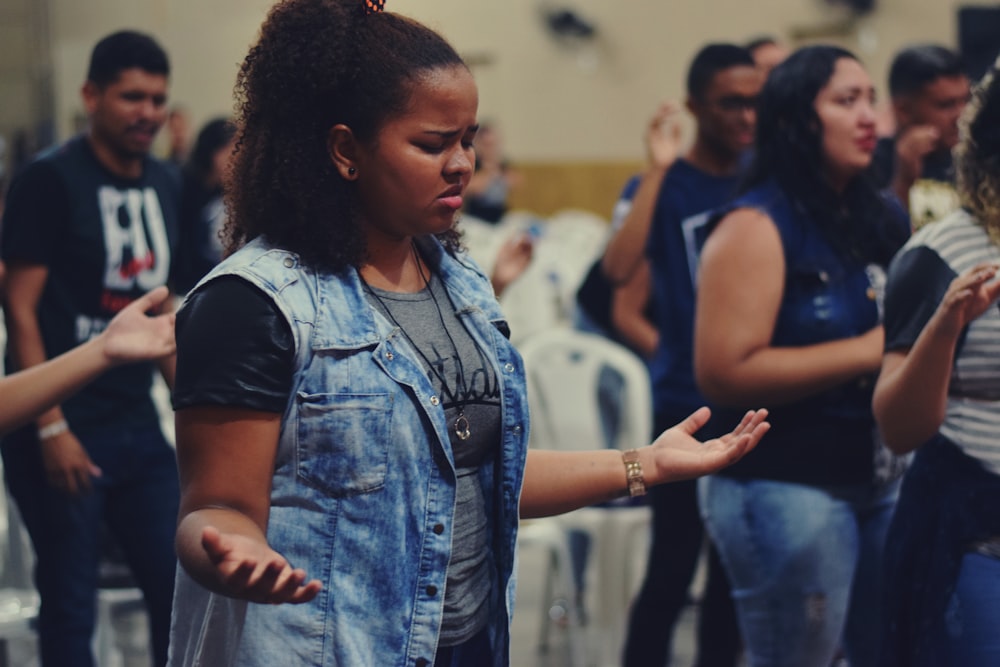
(971, 618)
(804, 564)
(136, 498)
(677, 540)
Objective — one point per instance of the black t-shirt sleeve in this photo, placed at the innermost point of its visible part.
(918, 279)
(37, 209)
(234, 348)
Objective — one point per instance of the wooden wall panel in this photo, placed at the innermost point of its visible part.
(548, 187)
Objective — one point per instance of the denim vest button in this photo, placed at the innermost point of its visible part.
(389, 356)
(289, 262)
(517, 429)
(432, 590)
(435, 400)
(509, 368)
(438, 528)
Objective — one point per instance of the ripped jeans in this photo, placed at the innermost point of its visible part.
(805, 566)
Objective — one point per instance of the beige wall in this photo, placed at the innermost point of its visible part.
(554, 103)
(206, 40)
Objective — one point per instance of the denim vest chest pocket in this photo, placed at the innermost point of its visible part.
(343, 441)
(822, 302)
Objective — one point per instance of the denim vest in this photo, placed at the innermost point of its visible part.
(363, 493)
(827, 438)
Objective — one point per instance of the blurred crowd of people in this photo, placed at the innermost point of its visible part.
(771, 263)
(351, 456)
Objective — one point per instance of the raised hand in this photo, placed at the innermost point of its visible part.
(912, 146)
(135, 336)
(250, 570)
(663, 136)
(678, 455)
(513, 258)
(968, 297)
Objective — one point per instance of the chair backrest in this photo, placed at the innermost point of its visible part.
(544, 296)
(585, 392)
(17, 559)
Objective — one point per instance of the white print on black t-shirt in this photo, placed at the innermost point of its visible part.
(89, 327)
(135, 240)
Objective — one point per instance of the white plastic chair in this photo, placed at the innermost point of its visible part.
(550, 537)
(18, 598)
(544, 296)
(587, 392)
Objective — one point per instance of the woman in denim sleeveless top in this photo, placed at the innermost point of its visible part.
(787, 316)
(351, 417)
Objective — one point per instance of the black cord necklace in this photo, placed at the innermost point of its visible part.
(461, 425)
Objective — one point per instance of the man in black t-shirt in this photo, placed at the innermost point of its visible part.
(929, 90)
(88, 228)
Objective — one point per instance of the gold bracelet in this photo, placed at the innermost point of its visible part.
(633, 473)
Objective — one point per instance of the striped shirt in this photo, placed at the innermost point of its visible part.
(918, 279)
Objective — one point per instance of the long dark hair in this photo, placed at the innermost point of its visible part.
(212, 137)
(318, 63)
(789, 150)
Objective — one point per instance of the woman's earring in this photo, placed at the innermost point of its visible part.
(351, 171)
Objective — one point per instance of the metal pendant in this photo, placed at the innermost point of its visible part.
(462, 427)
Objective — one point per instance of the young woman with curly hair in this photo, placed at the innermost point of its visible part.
(351, 418)
(787, 316)
(939, 394)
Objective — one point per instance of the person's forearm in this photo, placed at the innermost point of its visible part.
(557, 482)
(627, 246)
(911, 398)
(779, 375)
(639, 333)
(24, 341)
(27, 394)
(628, 313)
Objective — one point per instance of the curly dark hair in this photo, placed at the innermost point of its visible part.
(977, 155)
(788, 149)
(318, 63)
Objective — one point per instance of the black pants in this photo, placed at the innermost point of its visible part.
(677, 540)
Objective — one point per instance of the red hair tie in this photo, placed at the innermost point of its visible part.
(374, 6)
